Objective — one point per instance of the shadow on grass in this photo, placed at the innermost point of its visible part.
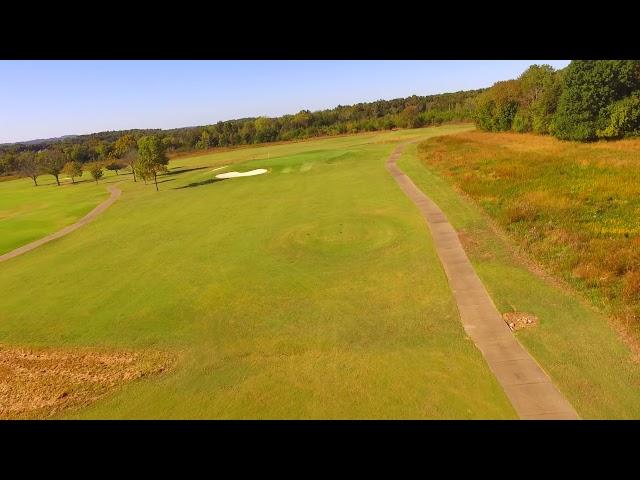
(203, 182)
(184, 170)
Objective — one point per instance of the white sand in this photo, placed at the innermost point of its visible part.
(219, 168)
(250, 173)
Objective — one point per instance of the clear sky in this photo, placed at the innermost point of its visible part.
(42, 99)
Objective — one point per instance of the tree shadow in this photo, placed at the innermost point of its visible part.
(203, 182)
(184, 170)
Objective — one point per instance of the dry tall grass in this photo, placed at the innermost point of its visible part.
(574, 207)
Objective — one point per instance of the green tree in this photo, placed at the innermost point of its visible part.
(126, 148)
(203, 143)
(497, 107)
(131, 160)
(103, 150)
(623, 118)
(114, 165)
(409, 117)
(76, 153)
(7, 163)
(152, 158)
(124, 144)
(52, 162)
(28, 166)
(264, 129)
(95, 170)
(590, 88)
(545, 105)
(72, 169)
(302, 119)
(533, 83)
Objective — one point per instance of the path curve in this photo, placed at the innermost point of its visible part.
(528, 387)
(115, 193)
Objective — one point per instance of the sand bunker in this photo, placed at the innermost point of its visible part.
(250, 173)
(39, 383)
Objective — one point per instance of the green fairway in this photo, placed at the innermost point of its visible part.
(28, 213)
(312, 291)
(576, 345)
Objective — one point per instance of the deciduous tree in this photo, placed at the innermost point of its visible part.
(590, 88)
(131, 160)
(28, 166)
(72, 169)
(114, 165)
(52, 162)
(152, 158)
(124, 144)
(95, 170)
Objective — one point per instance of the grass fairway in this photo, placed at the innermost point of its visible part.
(575, 344)
(28, 213)
(312, 291)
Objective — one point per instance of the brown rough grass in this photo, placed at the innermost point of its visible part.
(40, 383)
(575, 208)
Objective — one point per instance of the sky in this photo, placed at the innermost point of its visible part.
(43, 99)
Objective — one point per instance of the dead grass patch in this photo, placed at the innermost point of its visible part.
(519, 320)
(40, 383)
(631, 286)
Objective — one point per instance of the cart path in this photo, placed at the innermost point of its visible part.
(528, 387)
(115, 193)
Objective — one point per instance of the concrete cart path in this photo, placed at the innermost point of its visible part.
(115, 193)
(527, 386)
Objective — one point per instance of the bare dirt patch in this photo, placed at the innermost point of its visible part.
(39, 383)
(519, 320)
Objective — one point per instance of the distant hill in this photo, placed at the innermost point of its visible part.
(43, 140)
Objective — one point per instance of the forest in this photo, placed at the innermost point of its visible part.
(586, 101)
(411, 112)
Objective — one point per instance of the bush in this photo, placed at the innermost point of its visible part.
(483, 115)
(623, 118)
(522, 121)
(568, 125)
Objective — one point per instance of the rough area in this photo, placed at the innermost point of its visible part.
(528, 387)
(39, 383)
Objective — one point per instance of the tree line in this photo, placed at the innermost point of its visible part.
(146, 158)
(105, 148)
(586, 101)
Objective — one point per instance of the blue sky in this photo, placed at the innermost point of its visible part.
(42, 99)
